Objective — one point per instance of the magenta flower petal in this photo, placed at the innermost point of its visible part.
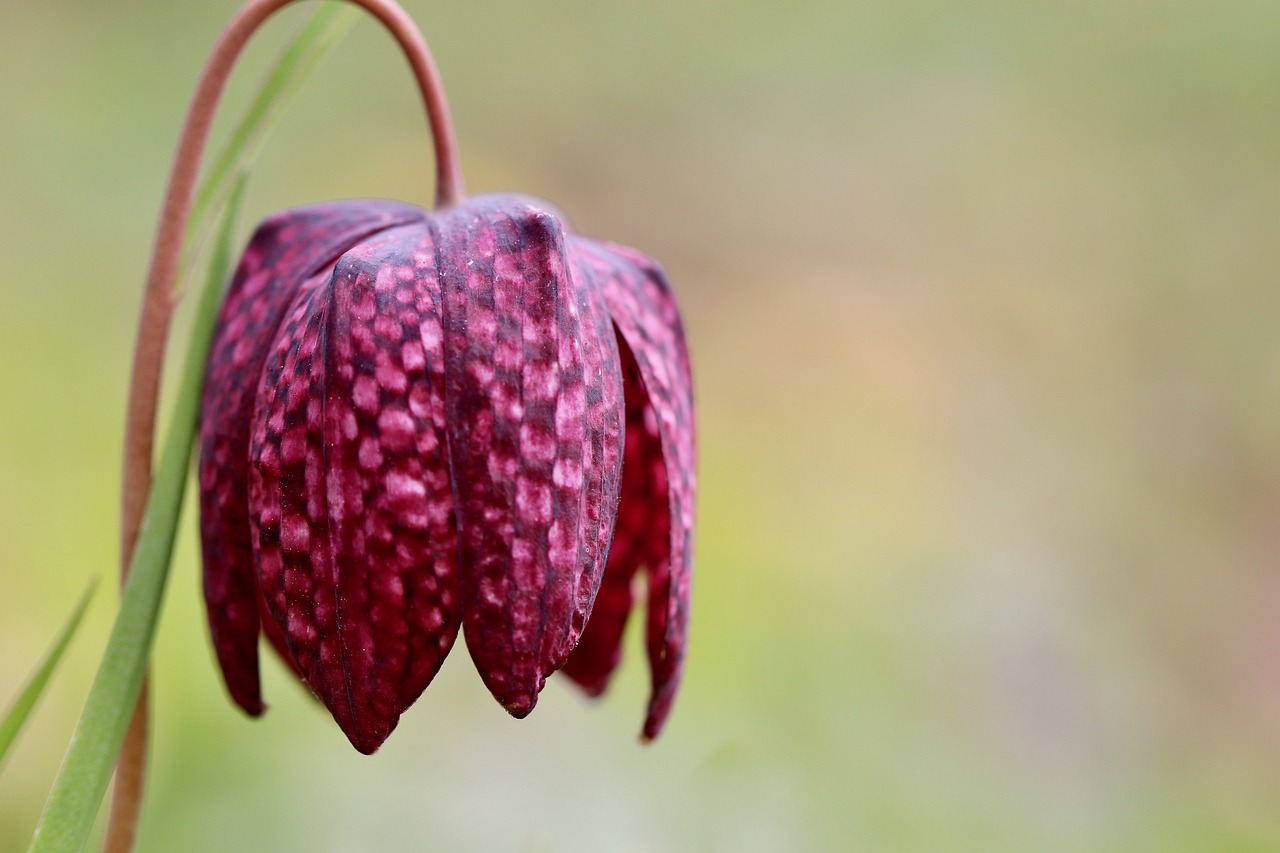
(351, 492)
(536, 479)
(390, 496)
(286, 457)
(286, 249)
(648, 321)
(640, 538)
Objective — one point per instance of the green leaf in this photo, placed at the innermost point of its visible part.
(77, 792)
(21, 707)
(314, 40)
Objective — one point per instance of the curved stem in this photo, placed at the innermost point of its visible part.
(157, 304)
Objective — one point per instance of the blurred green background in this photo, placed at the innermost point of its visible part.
(982, 298)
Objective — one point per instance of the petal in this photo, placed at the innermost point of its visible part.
(639, 538)
(286, 455)
(532, 394)
(353, 498)
(648, 321)
(602, 372)
(286, 249)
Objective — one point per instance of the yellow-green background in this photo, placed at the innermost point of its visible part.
(983, 299)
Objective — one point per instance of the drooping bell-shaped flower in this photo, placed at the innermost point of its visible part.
(415, 421)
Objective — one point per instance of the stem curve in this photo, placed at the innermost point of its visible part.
(157, 308)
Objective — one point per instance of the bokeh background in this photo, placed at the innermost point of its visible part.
(983, 302)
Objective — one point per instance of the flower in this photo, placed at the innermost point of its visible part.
(416, 421)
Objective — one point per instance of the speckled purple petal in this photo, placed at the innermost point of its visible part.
(533, 414)
(286, 249)
(351, 492)
(606, 417)
(287, 403)
(648, 321)
(640, 538)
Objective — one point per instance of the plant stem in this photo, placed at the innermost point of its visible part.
(131, 771)
(157, 304)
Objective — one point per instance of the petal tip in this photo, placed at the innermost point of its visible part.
(596, 689)
(659, 710)
(521, 705)
(367, 747)
(245, 693)
(652, 728)
(592, 683)
(368, 739)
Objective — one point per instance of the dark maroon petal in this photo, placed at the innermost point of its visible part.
(352, 497)
(648, 321)
(533, 413)
(286, 249)
(639, 538)
(390, 497)
(602, 374)
(286, 477)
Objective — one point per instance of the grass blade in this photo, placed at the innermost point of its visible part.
(77, 792)
(26, 700)
(321, 32)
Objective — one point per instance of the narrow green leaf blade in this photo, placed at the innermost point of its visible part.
(21, 708)
(314, 40)
(77, 792)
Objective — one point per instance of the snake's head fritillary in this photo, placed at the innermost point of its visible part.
(415, 422)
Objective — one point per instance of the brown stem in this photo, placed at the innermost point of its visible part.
(126, 802)
(157, 308)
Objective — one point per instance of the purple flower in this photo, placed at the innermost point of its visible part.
(415, 421)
